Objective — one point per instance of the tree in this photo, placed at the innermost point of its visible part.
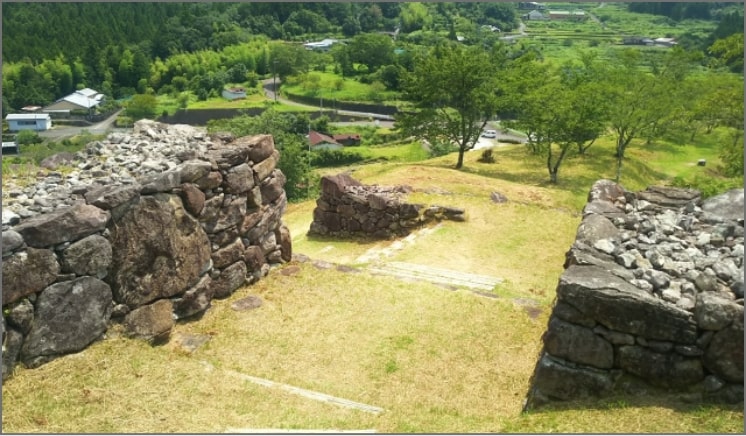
(640, 102)
(372, 50)
(141, 106)
(454, 95)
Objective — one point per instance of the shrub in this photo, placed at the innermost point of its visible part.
(333, 158)
(28, 137)
(709, 186)
(124, 121)
(487, 156)
(441, 148)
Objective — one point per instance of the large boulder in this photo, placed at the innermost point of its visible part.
(578, 344)
(91, 256)
(28, 272)
(63, 225)
(334, 186)
(194, 301)
(69, 316)
(618, 305)
(728, 206)
(553, 380)
(152, 323)
(661, 369)
(724, 354)
(158, 251)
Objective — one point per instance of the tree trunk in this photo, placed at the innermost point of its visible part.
(460, 161)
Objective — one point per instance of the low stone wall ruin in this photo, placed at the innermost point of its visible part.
(651, 300)
(347, 208)
(140, 228)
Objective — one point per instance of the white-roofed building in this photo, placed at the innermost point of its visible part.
(84, 99)
(37, 122)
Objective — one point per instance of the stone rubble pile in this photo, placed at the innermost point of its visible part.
(651, 298)
(346, 208)
(147, 228)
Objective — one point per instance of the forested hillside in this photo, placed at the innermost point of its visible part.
(122, 49)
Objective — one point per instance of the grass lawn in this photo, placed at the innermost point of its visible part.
(435, 360)
(351, 90)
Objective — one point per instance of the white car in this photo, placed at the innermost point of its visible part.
(489, 134)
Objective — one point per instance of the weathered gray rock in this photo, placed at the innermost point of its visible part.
(596, 227)
(194, 301)
(254, 258)
(192, 197)
(162, 182)
(152, 323)
(273, 187)
(28, 272)
(57, 160)
(577, 344)
(670, 197)
(11, 351)
(660, 369)
(68, 317)
(62, 225)
(229, 280)
(20, 315)
(228, 254)
(217, 217)
(109, 197)
(620, 306)
(12, 241)
(715, 313)
(158, 251)
(193, 170)
(724, 354)
(260, 146)
(285, 240)
(561, 382)
(334, 186)
(728, 206)
(89, 256)
(239, 179)
(264, 169)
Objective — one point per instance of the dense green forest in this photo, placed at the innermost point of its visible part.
(122, 49)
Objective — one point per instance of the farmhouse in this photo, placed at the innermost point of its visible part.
(234, 93)
(347, 139)
(37, 122)
(320, 141)
(567, 15)
(323, 45)
(665, 42)
(84, 99)
(535, 16)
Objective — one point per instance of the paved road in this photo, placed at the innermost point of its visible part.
(268, 85)
(61, 132)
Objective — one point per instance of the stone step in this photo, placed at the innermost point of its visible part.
(436, 275)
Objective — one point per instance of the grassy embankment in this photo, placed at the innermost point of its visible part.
(435, 360)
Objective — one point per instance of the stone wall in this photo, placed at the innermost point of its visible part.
(140, 229)
(651, 300)
(346, 207)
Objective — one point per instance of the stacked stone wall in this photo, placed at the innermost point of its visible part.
(651, 300)
(140, 229)
(347, 208)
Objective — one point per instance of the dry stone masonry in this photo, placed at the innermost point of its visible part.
(651, 300)
(347, 208)
(141, 229)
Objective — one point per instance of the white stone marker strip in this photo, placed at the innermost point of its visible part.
(436, 275)
(318, 396)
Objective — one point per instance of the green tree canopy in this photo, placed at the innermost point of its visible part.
(455, 92)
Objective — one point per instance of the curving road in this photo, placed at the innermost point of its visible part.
(61, 132)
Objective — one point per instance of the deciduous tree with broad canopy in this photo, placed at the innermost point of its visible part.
(454, 90)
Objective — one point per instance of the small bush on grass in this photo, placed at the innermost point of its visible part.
(333, 158)
(487, 156)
